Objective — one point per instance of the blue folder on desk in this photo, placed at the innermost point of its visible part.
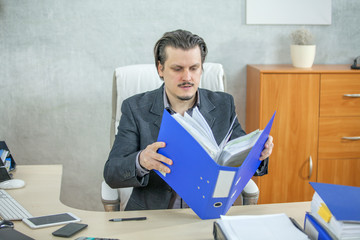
(207, 187)
(342, 201)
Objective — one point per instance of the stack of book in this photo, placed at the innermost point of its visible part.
(335, 212)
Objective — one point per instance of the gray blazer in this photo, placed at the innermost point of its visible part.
(139, 126)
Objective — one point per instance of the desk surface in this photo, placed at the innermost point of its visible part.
(41, 196)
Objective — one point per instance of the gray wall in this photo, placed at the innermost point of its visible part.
(57, 61)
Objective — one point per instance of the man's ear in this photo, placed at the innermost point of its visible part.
(160, 69)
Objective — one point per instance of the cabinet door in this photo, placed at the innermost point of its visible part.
(339, 171)
(295, 97)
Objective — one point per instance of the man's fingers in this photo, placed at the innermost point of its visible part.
(156, 156)
(150, 159)
(163, 159)
(269, 142)
(268, 149)
(156, 145)
(161, 167)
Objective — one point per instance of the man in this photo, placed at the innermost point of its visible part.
(179, 56)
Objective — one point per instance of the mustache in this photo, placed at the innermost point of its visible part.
(186, 83)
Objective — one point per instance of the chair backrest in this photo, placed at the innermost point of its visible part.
(133, 79)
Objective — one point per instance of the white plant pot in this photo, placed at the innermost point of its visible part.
(303, 56)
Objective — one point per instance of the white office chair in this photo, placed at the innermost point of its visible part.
(133, 79)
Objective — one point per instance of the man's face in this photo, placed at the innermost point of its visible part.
(181, 73)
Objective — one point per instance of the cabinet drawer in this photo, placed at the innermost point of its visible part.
(334, 95)
(343, 171)
(332, 134)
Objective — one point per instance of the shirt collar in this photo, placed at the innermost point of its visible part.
(167, 105)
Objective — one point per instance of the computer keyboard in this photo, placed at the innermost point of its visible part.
(10, 209)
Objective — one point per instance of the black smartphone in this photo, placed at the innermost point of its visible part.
(69, 229)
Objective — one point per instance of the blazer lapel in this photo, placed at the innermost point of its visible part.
(157, 107)
(206, 106)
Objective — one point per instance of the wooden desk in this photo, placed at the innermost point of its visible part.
(41, 196)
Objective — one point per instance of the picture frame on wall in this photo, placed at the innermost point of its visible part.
(292, 12)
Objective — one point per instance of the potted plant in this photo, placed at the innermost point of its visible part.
(302, 48)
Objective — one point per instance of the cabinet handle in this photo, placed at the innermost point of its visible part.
(311, 167)
(351, 138)
(352, 95)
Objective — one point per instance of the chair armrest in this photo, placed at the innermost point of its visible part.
(250, 193)
(109, 198)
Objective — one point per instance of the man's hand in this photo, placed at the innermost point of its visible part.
(268, 149)
(150, 159)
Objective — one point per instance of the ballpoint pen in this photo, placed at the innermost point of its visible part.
(95, 238)
(127, 219)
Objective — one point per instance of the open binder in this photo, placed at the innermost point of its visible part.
(207, 187)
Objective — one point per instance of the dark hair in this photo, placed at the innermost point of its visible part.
(178, 39)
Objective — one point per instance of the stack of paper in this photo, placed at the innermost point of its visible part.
(336, 208)
(236, 150)
(228, 153)
(273, 226)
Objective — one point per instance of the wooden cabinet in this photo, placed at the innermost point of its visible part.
(316, 108)
(339, 129)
